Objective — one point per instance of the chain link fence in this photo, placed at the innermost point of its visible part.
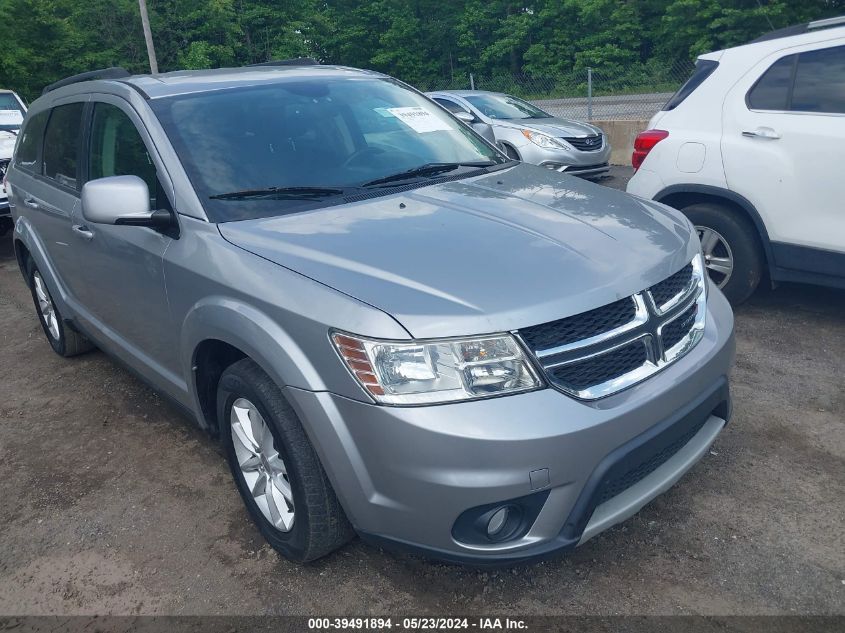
(590, 95)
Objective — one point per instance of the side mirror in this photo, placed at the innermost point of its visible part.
(121, 200)
(466, 117)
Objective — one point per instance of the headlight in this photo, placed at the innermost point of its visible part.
(428, 372)
(542, 140)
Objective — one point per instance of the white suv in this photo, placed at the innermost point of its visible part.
(12, 110)
(751, 149)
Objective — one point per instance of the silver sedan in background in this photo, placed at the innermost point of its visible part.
(527, 133)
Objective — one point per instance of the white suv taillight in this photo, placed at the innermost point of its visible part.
(643, 144)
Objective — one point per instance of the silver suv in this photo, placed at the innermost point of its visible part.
(393, 329)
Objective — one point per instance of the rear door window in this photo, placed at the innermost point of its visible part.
(771, 92)
(820, 81)
(61, 144)
(31, 138)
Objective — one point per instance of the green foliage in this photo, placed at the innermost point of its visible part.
(430, 43)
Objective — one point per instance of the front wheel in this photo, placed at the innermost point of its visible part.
(511, 152)
(276, 470)
(732, 254)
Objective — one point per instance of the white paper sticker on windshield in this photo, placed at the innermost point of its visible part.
(10, 117)
(419, 119)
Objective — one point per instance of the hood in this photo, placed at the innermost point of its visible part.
(486, 254)
(553, 127)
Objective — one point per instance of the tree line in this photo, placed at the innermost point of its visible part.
(419, 41)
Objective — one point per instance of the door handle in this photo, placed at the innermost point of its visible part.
(31, 202)
(83, 232)
(761, 132)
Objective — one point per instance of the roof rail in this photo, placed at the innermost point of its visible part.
(115, 72)
(823, 24)
(800, 29)
(299, 61)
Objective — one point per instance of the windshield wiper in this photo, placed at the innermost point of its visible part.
(429, 169)
(280, 193)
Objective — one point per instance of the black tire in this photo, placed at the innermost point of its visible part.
(64, 340)
(511, 152)
(744, 244)
(320, 525)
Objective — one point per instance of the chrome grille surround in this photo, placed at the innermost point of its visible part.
(680, 320)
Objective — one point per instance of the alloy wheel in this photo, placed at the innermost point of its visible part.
(718, 257)
(45, 305)
(262, 469)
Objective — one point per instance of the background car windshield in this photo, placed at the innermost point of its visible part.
(11, 112)
(506, 107)
(320, 132)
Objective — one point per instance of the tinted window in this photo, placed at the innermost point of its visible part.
(451, 106)
(820, 81)
(505, 107)
(61, 144)
(703, 69)
(324, 132)
(771, 92)
(26, 156)
(117, 148)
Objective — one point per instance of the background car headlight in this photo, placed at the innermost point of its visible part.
(428, 372)
(542, 140)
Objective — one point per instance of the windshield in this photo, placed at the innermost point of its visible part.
(306, 142)
(11, 112)
(505, 107)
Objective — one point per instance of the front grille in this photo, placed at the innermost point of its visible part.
(580, 326)
(599, 352)
(671, 286)
(677, 329)
(585, 143)
(598, 369)
(616, 484)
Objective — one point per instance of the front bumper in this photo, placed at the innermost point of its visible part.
(582, 163)
(405, 475)
(587, 171)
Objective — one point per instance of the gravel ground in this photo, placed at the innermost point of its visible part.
(112, 502)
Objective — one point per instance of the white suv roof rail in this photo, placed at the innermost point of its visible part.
(822, 24)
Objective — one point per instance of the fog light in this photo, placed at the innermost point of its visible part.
(500, 521)
(497, 522)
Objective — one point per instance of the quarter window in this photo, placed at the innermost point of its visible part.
(820, 81)
(771, 92)
(33, 134)
(61, 144)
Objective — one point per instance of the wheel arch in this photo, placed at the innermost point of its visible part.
(681, 196)
(211, 358)
(22, 255)
(509, 145)
(219, 331)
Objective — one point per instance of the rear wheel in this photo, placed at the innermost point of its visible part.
(275, 468)
(64, 340)
(731, 248)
